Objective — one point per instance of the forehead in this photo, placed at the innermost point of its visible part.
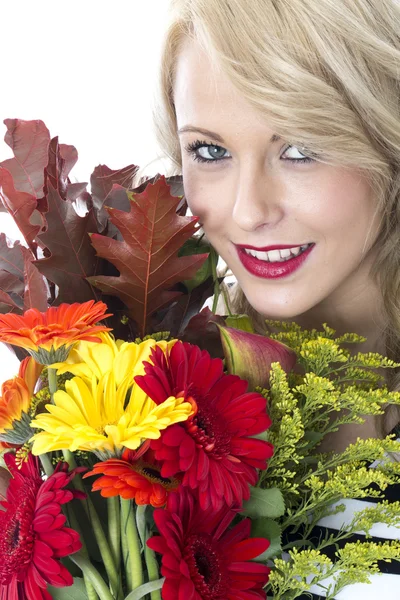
(203, 94)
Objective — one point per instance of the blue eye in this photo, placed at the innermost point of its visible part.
(217, 153)
(213, 150)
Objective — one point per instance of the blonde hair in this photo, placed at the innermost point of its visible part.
(326, 74)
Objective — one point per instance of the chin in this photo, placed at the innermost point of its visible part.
(278, 312)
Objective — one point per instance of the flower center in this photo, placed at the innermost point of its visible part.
(152, 473)
(206, 568)
(18, 537)
(207, 432)
(14, 536)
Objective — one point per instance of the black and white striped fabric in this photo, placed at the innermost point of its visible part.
(385, 585)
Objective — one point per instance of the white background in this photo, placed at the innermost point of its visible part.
(87, 68)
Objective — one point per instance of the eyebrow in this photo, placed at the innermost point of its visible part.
(215, 136)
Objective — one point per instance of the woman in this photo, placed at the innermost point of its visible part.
(283, 117)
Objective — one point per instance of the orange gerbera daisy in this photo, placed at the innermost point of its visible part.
(15, 401)
(137, 476)
(48, 336)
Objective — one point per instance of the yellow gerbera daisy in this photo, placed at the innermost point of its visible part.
(100, 418)
(122, 358)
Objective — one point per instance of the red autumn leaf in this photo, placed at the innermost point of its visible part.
(29, 141)
(117, 198)
(146, 258)
(181, 312)
(62, 158)
(103, 179)
(11, 258)
(72, 257)
(11, 283)
(108, 186)
(35, 293)
(20, 205)
(12, 290)
(11, 276)
(70, 156)
(202, 331)
(75, 190)
(176, 184)
(7, 304)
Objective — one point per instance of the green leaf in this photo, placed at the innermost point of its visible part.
(242, 322)
(76, 591)
(146, 588)
(264, 503)
(194, 246)
(141, 522)
(267, 528)
(313, 438)
(264, 435)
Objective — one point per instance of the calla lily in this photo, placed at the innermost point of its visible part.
(250, 355)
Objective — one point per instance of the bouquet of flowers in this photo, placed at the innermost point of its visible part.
(158, 450)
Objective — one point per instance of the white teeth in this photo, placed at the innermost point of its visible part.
(259, 255)
(277, 255)
(274, 256)
(284, 253)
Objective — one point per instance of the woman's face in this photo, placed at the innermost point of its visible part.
(295, 234)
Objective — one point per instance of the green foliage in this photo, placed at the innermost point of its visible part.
(354, 564)
(264, 503)
(270, 529)
(331, 388)
(77, 591)
(158, 337)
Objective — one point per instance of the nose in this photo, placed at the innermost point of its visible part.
(258, 200)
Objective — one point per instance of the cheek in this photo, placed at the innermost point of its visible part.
(205, 201)
(340, 204)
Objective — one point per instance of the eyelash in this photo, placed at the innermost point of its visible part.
(194, 146)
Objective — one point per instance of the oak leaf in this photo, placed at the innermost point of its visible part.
(147, 256)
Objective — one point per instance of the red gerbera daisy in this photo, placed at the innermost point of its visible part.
(137, 476)
(203, 559)
(213, 450)
(33, 537)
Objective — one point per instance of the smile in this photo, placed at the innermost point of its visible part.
(277, 261)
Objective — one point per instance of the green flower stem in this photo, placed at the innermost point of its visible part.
(52, 377)
(114, 528)
(131, 547)
(73, 522)
(217, 291)
(48, 468)
(143, 590)
(124, 545)
(114, 536)
(224, 290)
(93, 575)
(98, 531)
(152, 570)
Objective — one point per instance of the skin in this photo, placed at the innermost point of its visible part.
(257, 197)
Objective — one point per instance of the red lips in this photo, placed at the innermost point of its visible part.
(272, 270)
